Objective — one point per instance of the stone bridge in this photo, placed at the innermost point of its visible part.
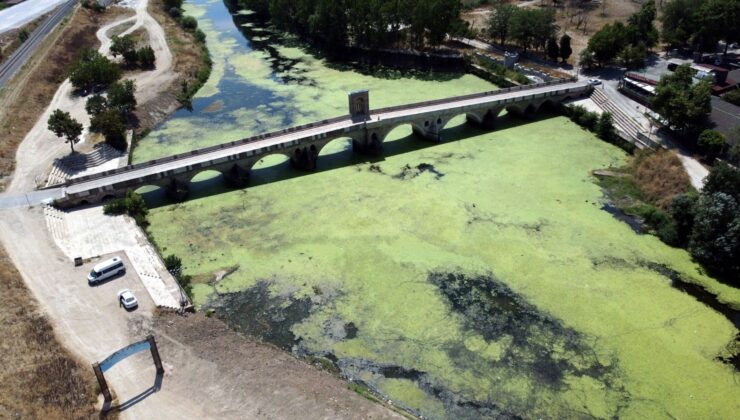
(366, 130)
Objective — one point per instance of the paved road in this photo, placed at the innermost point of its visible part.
(405, 113)
(20, 14)
(14, 63)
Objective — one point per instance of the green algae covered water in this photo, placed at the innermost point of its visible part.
(476, 278)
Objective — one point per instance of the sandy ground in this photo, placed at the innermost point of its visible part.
(40, 146)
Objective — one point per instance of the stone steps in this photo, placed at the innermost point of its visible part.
(624, 122)
(68, 166)
(56, 223)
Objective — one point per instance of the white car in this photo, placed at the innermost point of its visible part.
(127, 299)
(594, 81)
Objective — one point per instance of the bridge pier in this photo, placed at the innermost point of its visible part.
(371, 145)
(178, 190)
(236, 177)
(430, 129)
(304, 158)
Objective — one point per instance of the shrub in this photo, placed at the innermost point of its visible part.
(175, 12)
(732, 97)
(712, 143)
(132, 204)
(146, 57)
(189, 23)
(93, 70)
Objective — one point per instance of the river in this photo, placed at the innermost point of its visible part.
(475, 278)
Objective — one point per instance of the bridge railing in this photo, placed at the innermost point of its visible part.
(470, 96)
(289, 130)
(201, 151)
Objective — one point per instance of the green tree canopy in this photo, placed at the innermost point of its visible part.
(122, 96)
(565, 48)
(683, 104)
(712, 142)
(62, 124)
(499, 23)
(93, 70)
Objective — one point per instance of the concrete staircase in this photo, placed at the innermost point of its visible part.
(622, 121)
(68, 166)
(56, 222)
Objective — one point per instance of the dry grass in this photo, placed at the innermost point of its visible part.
(26, 97)
(660, 176)
(39, 378)
(9, 41)
(596, 14)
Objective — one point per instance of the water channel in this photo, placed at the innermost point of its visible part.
(475, 278)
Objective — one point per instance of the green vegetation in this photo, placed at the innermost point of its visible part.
(62, 124)
(712, 143)
(109, 115)
(700, 24)
(656, 190)
(732, 97)
(565, 48)
(93, 70)
(529, 28)
(173, 264)
(499, 74)
(333, 23)
(629, 43)
(189, 24)
(602, 125)
(23, 35)
(125, 46)
(132, 205)
(684, 104)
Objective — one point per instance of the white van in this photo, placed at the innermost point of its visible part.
(106, 270)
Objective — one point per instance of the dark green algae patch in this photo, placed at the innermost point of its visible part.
(533, 345)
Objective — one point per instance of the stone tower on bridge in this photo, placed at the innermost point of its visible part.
(359, 105)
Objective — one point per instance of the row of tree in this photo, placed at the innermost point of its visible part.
(368, 23)
(125, 46)
(629, 44)
(700, 24)
(527, 28)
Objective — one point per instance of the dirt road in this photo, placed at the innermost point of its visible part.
(40, 146)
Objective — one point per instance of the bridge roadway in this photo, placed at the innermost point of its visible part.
(302, 144)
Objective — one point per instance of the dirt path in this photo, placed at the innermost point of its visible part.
(40, 147)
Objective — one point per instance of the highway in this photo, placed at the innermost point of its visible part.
(16, 61)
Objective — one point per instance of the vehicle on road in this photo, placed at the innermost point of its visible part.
(127, 299)
(594, 82)
(106, 270)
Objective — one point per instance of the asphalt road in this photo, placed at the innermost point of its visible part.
(14, 63)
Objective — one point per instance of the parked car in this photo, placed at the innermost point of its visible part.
(106, 270)
(127, 299)
(594, 81)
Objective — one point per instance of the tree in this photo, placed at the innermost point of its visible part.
(124, 46)
(633, 56)
(93, 70)
(683, 104)
(605, 127)
(173, 3)
(531, 28)
(146, 57)
(95, 105)
(565, 49)
(122, 96)
(679, 21)
(23, 35)
(640, 28)
(606, 44)
(682, 211)
(715, 238)
(63, 125)
(499, 24)
(553, 51)
(713, 143)
(725, 179)
(111, 125)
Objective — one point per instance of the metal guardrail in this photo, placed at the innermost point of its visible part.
(289, 130)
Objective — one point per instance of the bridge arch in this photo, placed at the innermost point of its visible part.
(269, 160)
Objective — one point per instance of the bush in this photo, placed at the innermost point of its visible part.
(712, 143)
(175, 12)
(173, 264)
(93, 70)
(189, 23)
(110, 123)
(715, 238)
(132, 204)
(732, 97)
(146, 57)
